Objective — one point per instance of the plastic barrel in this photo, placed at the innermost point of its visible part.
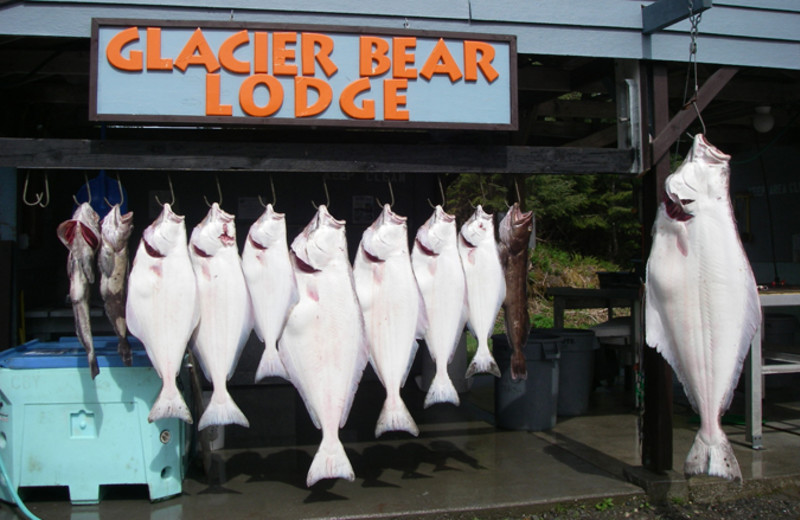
(527, 404)
(575, 370)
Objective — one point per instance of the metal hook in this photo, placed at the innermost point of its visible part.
(700, 117)
(88, 191)
(483, 192)
(516, 186)
(327, 195)
(391, 193)
(274, 198)
(219, 191)
(38, 200)
(171, 191)
(441, 190)
(121, 196)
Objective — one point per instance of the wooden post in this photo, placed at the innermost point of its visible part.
(657, 420)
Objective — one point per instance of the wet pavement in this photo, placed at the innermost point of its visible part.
(459, 463)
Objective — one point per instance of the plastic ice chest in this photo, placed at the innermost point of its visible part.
(60, 428)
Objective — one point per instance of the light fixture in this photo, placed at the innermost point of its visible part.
(763, 121)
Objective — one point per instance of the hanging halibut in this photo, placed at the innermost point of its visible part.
(486, 285)
(440, 276)
(112, 261)
(702, 306)
(162, 308)
(81, 235)
(515, 233)
(323, 345)
(394, 314)
(272, 285)
(226, 315)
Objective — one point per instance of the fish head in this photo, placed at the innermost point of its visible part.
(388, 234)
(116, 228)
(216, 232)
(85, 221)
(701, 180)
(321, 242)
(516, 227)
(268, 230)
(478, 228)
(166, 232)
(437, 232)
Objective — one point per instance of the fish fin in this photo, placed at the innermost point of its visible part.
(330, 461)
(222, 410)
(712, 458)
(170, 403)
(395, 417)
(483, 362)
(441, 391)
(66, 232)
(270, 365)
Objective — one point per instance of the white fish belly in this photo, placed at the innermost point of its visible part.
(702, 307)
(273, 290)
(391, 305)
(161, 308)
(225, 315)
(443, 287)
(323, 346)
(486, 287)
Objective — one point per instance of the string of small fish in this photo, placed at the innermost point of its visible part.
(320, 318)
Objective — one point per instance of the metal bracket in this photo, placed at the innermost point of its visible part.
(663, 13)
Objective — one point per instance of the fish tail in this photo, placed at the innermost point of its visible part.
(395, 417)
(170, 403)
(715, 458)
(483, 362)
(83, 329)
(330, 461)
(441, 390)
(270, 365)
(222, 410)
(519, 368)
(124, 350)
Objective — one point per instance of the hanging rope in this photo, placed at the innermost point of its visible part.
(691, 70)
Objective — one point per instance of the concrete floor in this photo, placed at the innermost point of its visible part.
(460, 463)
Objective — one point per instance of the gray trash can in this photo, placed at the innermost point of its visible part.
(527, 404)
(575, 370)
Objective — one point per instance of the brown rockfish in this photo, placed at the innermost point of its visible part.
(515, 232)
(112, 262)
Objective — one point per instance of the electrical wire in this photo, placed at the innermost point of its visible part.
(14, 495)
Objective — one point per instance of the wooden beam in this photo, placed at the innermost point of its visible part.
(663, 13)
(605, 137)
(577, 109)
(308, 157)
(678, 124)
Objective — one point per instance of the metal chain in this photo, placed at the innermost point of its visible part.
(691, 69)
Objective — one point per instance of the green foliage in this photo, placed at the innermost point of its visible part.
(593, 215)
(605, 504)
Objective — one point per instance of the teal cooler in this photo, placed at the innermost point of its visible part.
(58, 427)
(527, 404)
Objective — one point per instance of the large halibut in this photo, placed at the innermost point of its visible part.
(702, 306)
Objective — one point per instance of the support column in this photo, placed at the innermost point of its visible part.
(8, 237)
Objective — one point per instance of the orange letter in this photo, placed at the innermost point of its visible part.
(246, 95)
(471, 61)
(400, 57)
(301, 86)
(260, 52)
(114, 50)
(280, 54)
(323, 57)
(440, 62)
(205, 56)
(226, 58)
(347, 101)
(391, 100)
(213, 108)
(154, 59)
(373, 50)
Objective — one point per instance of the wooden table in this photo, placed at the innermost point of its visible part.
(608, 298)
(756, 366)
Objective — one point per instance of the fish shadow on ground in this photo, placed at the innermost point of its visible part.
(407, 458)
